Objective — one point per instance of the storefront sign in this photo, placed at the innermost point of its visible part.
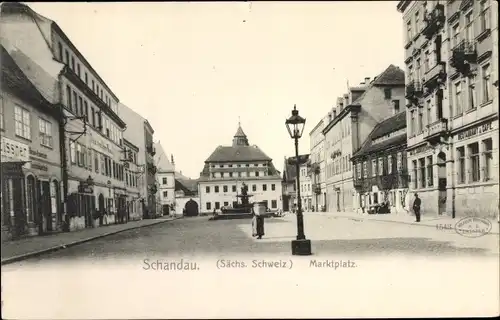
(104, 146)
(475, 131)
(39, 166)
(12, 169)
(420, 149)
(37, 153)
(12, 150)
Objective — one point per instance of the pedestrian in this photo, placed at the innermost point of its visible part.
(416, 207)
(257, 224)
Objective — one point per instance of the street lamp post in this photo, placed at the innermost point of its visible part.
(295, 125)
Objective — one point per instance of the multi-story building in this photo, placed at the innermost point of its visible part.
(93, 172)
(229, 167)
(452, 102)
(30, 197)
(150, 208)
(187, 200)
(289, 181)
(165, 178)
(138, 132)
(380, 170)
(133, 183)
(306, 192)
(349, 124)
(317, 170)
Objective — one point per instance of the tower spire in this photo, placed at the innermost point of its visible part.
(240, 138)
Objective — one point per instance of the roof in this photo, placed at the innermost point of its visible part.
(237, 154)
(15, 81)
(239, 132)
(289, 168)
(161, 159)
(392, 76)
(188, 186)
(392, 124)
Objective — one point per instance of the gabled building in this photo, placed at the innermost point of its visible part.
(451, 57)
(350, 123)
(133, 183)
(165, 180)
(229, 167)
(317, 170)
(380, 168)
(289, 184)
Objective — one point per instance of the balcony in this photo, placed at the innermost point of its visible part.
(414, 91)
(436, 130)
(151, 150)
(434, 21)
(463, 55)
(435, 76)
(316, 188)
(152, 169)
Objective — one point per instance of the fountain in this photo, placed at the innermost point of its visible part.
(241, 209)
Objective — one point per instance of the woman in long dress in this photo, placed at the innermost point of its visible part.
(257, 224)
(254, 223)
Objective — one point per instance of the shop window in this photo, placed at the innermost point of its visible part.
(421, 164)
(430, 175)
(474, 169)
(488, 159)
(461, 164)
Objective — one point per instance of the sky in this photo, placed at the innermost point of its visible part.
(194, 69)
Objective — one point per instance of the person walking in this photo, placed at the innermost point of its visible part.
(416, 207)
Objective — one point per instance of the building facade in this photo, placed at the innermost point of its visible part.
(31, 173)
(151, 208)
(133, 183)
(93, 175)
(229, 167)
(289, 185)
(317, 170)
(380, 166)
(165, 178)
(306, 192)
(187, 200)
(452, 99)
(351, 121)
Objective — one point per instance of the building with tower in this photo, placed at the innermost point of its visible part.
(228, 167)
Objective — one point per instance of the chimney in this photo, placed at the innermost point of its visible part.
(367, 80)
(172, 158)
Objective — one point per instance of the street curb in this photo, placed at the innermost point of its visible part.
(402, 222)
(74, 243)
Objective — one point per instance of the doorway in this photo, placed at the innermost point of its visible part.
(166, 209)
(102, 208)
(191, 208)
(442, 181)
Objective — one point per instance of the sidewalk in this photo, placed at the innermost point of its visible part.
(25, 248)
(405, 218)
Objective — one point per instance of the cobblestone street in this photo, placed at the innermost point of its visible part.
(330, 235)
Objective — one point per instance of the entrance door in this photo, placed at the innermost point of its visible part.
(338, 201)
(441, 168)
(166, 209)
(46, 206)
(286, 204)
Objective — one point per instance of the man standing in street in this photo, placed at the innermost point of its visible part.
(416, 207)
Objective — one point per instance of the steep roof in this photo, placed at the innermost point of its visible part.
(239, 132)
(392, 124)
(161, 159)
(289, 169)
(392, 76)
(237, 154)
(188, 186)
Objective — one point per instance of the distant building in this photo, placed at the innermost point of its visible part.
(187, 200)
(451, 57)
(306, 192)
(133, 183)
(228, 167)
(349, 124)
(317, 170)
(165, 178)
(380, 168)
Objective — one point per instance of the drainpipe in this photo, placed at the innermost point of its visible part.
(63, 155)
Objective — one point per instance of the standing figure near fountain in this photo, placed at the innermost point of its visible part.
(258, 219)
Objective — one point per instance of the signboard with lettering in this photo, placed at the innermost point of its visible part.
(12, 150)
(101, 145)
(474, 131)
(12, 169)
(37, 153)
(420, 149)
(39, 166)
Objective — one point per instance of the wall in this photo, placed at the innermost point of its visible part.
(181, 200)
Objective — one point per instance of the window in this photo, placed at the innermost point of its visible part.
(164, 181)
(427, 62)
(374, 167)
(421, 163)
(472, 92)
(75, 103)
(66, 53)
(418, 70)
(358, 170)
(78, 69)
(233, 188)
(387, 93)
(73, 63)
(415, 173)
(93, 85)
(430, 175)
(458, 98)
(417, 22)
(217, 205)
(365, 169)
(79, 155)
(381, 166)
(474, 162)
(208, 205)
(469, 29)
(216, 189)
(484, 17)
(165, 194)
(226, 203)
(409, 33)
(264, 187)
(429, 112)
(274, 204)
(104, 165)
(487, 159)
(23, 122)
(486, 75)
(230, 174)
(254, 187)
(45, 133)
(420, 120)
(257, 173)
(389, 164)
(455, 36)
(207, 189)
(412, 123)
(72, 148)
(92, 116)
(273, 187)
(86, 78)
(395, 105)
(1, 114)
(224, 188)
(96, 161)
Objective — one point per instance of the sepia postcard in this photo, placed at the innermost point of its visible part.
(254, 159)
